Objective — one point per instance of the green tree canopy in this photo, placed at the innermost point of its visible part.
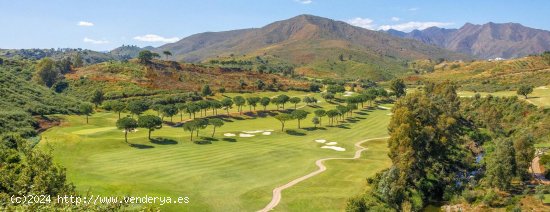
(127, 124)
(150, 122)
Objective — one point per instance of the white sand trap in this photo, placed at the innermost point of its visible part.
(331, 143)
(266, 133)
(336, 148)
(252, 131)
(385, 108)
(229, 134)
(269, 130)
(244, 135)
(131, 131)
(542, 88)
(389, 114)
(320, 140)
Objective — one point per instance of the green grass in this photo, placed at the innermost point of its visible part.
(539, 97)
(546, 199)
(224, 175)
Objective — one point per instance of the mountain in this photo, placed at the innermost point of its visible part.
(491, 40)
(312, 44)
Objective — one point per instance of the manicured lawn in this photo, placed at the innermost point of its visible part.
(228, 174)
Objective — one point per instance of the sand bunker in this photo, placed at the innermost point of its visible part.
(542, 88)
(336, 148)
(331, 143)
(131, 131)
(385, 108)
(266, 133)
(252, 131)
(320, 140)
(389, 114)
(245, 135)
(348, 93)
(229, 134)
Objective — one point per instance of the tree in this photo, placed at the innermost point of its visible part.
(157, 107)
(182, 107)
(283, 117)
(239, 102)
(190, 126)
(242, 84)
(87, 110)
(78, 62)
(127, 124)
(46, 72)
(342, 110)
(216, 122)
(331, 114)
(398, 87)
(260, 84)
(525, 90)
(501, 164)
(265, 102)
(315, 121)
(299, 115)
(167, 54)
(150, 122)
(215, 105)
(320, 113)
(192, 109)
(335, 89)
(169, 110)
(524, 154)
(252, 102)
(283, 99)
(146, 56)
(201, 124)
(97, 97)
(137, 107)
(206, 91)
(227, 103)
(118, 107)
(203, 105)
(328, 96)
(295, 101)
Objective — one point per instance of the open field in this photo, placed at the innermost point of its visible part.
(539, 97)
(231, 173)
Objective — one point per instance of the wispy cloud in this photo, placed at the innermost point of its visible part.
(304, 1)
(395, 18)
(412, 25)
(93, 41)
(413, 9)
(366, 23)
(156, 38)
(85, 24)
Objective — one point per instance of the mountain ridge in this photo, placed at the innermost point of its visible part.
(489, 40)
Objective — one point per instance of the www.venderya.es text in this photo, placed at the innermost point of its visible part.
(97, 199)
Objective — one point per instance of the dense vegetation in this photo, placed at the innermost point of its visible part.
(475, 150)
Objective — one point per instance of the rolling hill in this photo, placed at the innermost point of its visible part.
(317, 46)
(490, 40)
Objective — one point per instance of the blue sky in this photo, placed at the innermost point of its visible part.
(107, 24)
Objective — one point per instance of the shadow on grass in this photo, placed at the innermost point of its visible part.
(314, 128)
(361, 113)
(343, 126)
(202, 142)
(141, 146)
(315, 106)
(209, 139)
(229, 139)
(294, 132)
(163, 141)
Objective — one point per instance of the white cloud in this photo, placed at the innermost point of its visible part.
(85, 24)
(395, 18)
(89, 40)
(366, 23)
(156, 38)
(304, 1)
(409, 26)
(413, 9)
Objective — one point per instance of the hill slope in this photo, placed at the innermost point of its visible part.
(312, 42)
(491, 40)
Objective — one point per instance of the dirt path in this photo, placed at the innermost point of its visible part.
(319, 163)
(537, 172)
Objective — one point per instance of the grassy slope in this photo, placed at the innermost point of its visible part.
(224, 175)
(539, 97)
(494, 76)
